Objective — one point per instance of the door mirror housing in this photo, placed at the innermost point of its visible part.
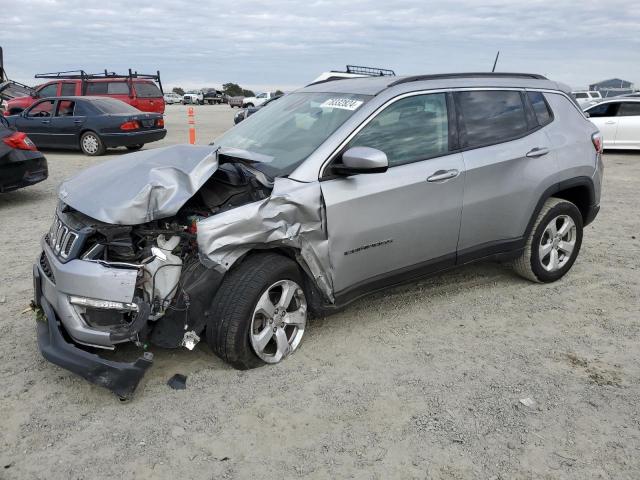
(362, 160)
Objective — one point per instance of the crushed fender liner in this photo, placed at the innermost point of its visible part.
(293, 216)
(119, 377)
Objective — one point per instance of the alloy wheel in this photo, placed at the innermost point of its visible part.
(278, 321)
(90, 144)
(557, 243)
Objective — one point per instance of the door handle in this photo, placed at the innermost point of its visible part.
(537, 152)
(442, 175)
(77, 121)
(45, 121)
(610, 122)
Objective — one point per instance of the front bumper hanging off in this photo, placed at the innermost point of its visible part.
(121, 378)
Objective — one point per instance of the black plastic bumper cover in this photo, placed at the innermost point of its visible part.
(119, 377)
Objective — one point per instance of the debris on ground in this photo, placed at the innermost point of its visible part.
(528, 402)
(178, 382)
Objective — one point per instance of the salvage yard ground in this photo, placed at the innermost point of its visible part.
(423, 381)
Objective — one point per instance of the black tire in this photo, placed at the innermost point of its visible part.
(529, 265)
(133, 148)
(234, 303)
(91, 144)
(248, 105)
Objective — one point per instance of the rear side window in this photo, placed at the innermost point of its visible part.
(147, 90)
(629, 109)
(68, 89)
(540, 107)
(65, 108)
(603, 110)
(107, 88)
(489, 117)
(411, 129)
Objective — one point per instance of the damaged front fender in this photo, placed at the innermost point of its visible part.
(293, 216)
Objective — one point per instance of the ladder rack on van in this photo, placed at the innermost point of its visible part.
(84, 76)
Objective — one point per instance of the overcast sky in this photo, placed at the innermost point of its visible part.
(286, 44)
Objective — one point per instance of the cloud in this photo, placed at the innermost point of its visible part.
(286, 43)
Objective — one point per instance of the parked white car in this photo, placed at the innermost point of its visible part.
(587, 98)
(193, 96)
(618, 121)
(258, 100)
(171, 98)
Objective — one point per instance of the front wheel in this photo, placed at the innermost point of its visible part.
(553, 244)
(91, 144)
(259, 313)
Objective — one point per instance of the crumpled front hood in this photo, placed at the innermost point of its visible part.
(142, 186)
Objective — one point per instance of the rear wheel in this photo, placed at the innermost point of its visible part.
(554, 242)
(260, 312)
(135, 147)
(91, 144)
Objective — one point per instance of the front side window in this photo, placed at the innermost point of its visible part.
(629, 109)
(49, 91)
(42, 109)
(540, 107)
(491, 116)
(603, 110)
(292, 128)
(411, 129)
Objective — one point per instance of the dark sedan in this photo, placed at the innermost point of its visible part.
(92, 124)
(21, 164)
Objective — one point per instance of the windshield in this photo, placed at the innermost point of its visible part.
(291, 128)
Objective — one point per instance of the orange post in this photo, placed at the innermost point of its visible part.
(192, 125)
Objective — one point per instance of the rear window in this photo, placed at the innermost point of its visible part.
(107, 88)
(111, 105)
(540, 107)
(147, 90)
(490, 117)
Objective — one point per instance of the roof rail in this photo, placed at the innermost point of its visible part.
(370, 71)
(84, 76)
(438, 76)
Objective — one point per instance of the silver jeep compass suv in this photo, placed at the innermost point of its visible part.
(332, 192)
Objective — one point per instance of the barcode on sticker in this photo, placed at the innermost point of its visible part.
(343, 103)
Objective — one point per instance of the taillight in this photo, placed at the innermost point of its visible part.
(130, 125)
(20, 141)
(160, 123)
(596, 138)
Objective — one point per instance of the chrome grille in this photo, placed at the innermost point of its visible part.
(61, 239)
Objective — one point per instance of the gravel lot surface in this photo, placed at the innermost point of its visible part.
(423, 381)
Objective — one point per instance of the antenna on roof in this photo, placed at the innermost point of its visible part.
(495, 62)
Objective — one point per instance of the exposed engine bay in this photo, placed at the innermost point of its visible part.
(170, 302)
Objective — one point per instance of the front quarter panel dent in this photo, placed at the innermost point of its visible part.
(290, 217)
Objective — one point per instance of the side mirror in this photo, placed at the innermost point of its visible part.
(362, 160)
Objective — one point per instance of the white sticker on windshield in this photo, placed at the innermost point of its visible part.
(343, 103)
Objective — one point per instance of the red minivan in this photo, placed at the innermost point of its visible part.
(142, 93)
